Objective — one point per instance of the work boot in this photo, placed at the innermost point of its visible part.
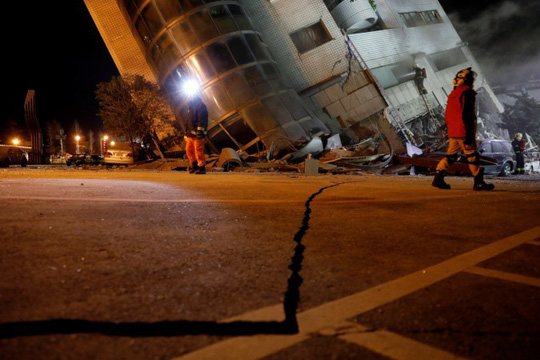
(193, 168)
(480, 184)
(438, 180)
(200, 170)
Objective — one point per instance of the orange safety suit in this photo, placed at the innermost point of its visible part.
(460, 120)
(196, 123)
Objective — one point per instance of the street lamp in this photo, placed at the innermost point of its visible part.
(77, 137)
(16, 142)
(112, 143)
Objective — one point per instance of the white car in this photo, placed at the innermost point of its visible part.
(13, 155)
(118, 157)
(532, 162)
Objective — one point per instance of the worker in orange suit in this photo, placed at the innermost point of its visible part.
(460, 120)
(196, 126)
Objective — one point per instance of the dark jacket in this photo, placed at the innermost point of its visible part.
(460, 115)
(196, 120)
(519, 145)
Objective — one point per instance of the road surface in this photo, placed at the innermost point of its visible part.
(116, 264)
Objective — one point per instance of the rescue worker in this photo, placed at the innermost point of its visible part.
(461, 123)
(419, 76)
(518, 144)
(196, 125)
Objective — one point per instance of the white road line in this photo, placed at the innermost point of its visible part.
(333, 314)
(395, 346)
(517, 278)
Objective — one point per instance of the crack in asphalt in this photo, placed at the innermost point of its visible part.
(185, 327)
(292, 295)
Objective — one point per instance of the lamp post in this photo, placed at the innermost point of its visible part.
(77, 137)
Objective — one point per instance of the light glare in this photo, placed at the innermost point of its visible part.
(191, 87)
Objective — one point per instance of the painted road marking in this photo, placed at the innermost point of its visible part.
(395, 346)
(533, 242)
(332, 314)
(517, 278)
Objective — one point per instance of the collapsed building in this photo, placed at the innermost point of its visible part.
(280, 75)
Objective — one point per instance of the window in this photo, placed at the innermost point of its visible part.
(203, 26)
(240, 50)
(485, 148)
(257, 47)
(240, 17)
(497, 147)
(153, 20)
(445, 59)
(169, 9)
(255, 79)
(239, 90)
(508, 148)
(220, 57)
(184, 36)
(223, 19)
(420, 18)
(310, 37)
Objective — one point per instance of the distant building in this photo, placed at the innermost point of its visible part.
(280, 72)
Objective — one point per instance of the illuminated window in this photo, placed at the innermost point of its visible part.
(310, 37)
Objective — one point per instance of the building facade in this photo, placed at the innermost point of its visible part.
(419, 32)
(276, 73)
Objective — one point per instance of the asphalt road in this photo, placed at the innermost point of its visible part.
(116, 264)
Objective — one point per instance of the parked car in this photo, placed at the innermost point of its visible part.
(97, 159)
(500, 150)
(118, 157)
(13, 155)
(79, 159)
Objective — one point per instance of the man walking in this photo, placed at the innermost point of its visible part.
(460, 120)
(196, 126)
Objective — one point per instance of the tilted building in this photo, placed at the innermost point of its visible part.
(280, 72)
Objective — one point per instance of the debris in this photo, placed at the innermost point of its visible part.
(311, 166)
(229, 159)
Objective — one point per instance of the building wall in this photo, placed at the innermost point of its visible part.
(126, 51)
(216, 44)
(276, 19)
(320, 74)
(415, 45)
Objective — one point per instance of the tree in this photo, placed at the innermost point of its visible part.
(523, 116)
(91, 140)
(135, 109)
(55, 133)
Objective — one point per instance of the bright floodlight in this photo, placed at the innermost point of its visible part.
(16, 141)
(191, 87)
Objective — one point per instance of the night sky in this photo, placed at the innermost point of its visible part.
(56, 50)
